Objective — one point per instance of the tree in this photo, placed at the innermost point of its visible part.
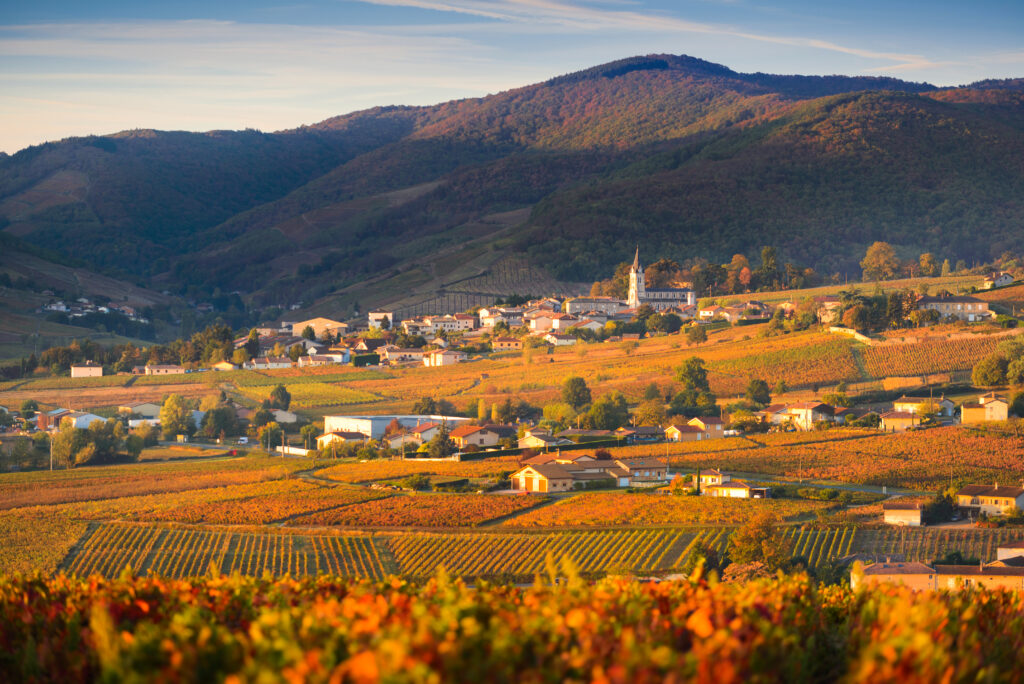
(309, 434)
(219, 421)
(270, 435)
(425, 406)
(29, 408)
(67, 443)
(696, 334)
(176, 417)
(693, 375)
(252, 344)
(609, 412)
(240, 356)
(880, 262)
(768, 273)
(780, 387)
(929, 267)
(441, 446)
(280, 398)
(652, 392)
(309, 333)
(295, 351)
(559, 414)
(661, 273)
(946, 270)
(651, 412)
(857, 317)
(760, 540)
(758, 392)
(990, 371)
(575, 392)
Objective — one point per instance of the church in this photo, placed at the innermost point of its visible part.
(658, 299)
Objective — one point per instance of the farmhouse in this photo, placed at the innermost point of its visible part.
(684, 433)
(989, 407)
(224, 366)
(443, 357)
(805, 414)
(542, 441)
(269, 362)
(713, 426)
(339, 436)
(87, 369)
(506, 344)
(899, 421)
(990, 499)
(902, 514)
(994, 280)
(474, 435)
(565, 475)
(320, 326)
(995, 575)
(920, 405)
(965, 308)
(164, 369)
(716, 483)
(560, 340)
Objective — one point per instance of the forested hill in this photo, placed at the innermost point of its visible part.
(689, 158)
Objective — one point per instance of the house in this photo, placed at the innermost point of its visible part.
(506, 344)
(957, 306)
(402, 355)
(899, 421)
(710, 312)
(504, 432)
(645, 472)
(989, 407)
(712, 425)
(994, 280)
(81, 419)
(369, 344)
(709, 478)
(375, 426)
(339, 437)
(685, 433)
(465, 321)
(224, 366)
(587, 324)
(403, 441)
(549, 477)
(940, 407)
(805, 414)
(474, 435)
(827, 308)
(563, 321)
(87, 369)
(774, 414)
(443, 357)
(376, 319)
(640, 433)
(735, 489)
(1007, 550)
(50, 420)
(560, 340)
(316, 360)
(541, 441)
(990, 499)
(426, 431)
(921, 577)
(605, 305)
(539, 320)
(269, 363)
(320, 326)
(146, 409)
(165, 369)
(580, 435)
(902, 514)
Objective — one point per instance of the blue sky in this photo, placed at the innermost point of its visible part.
(69, 67)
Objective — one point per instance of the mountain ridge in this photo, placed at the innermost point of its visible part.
(689, 157)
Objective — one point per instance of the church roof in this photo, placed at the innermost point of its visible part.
(636, 259)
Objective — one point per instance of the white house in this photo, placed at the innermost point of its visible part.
(443, 357)
(88, 369)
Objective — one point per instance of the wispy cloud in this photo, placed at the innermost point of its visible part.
(582, 17)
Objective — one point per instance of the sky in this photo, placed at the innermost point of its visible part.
(70, 68)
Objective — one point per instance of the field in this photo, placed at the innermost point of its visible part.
(313, 394)
(931, 356)
(422, 510)
(926, 460)
(373, 471)
(615, 508)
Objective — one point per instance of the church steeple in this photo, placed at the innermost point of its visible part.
(636, 259)
(636, 282)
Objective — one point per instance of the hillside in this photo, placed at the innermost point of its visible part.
(689, 158)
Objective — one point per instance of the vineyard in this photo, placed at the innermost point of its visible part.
(313, 394)
(924, 460)
(524, 555)
(111, 482)
(615, 508)
(180, 553)
(927, 357)
(373, 471)
(422, 510)
(617, 630)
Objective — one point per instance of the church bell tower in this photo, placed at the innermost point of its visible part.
(636, 282)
